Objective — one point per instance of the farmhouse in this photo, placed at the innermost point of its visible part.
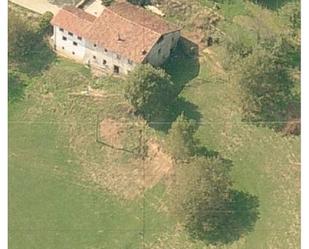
(121, 37)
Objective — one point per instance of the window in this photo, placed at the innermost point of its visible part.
(159, 51)
(71, 34)
(94, 57)
(104, 62)
(118, 56)
(64, 38)
(63, 48)
(79, 38)
(116, 69)
(61, 29)
(94, 45)
(105, 50)
(130, 62)
(73, 52)
(74, 43)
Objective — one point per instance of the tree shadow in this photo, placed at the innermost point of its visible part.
(16, 86)
(238, 219)
(183, 64)
(163, 121)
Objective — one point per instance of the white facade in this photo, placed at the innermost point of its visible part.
(69, 44)
(83, 51)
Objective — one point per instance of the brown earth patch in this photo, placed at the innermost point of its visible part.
(128, 180)
(111, 131)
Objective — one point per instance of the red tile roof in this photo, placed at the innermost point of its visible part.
(123, 28)
(121, 36)
(73, 19)
(143, 17)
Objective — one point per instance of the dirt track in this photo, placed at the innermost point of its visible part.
(39, 6)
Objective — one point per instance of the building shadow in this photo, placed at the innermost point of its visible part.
(183, 64)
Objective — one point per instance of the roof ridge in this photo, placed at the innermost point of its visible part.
(76, 15)
(132, 22)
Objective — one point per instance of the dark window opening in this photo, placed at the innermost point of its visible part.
(71, 34)
(61, 29)
(130, 62)
(79, 38)
(94, 57)
(105, 50)
(160, 39)
(73, 52)
(64, 38)
(62, 47)
(104, 62)
(116, 69)
(75, 43)
(94, 45)
(118, 56)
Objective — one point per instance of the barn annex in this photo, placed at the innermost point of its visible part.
(121, 37)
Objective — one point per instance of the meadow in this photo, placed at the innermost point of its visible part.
(68, 190)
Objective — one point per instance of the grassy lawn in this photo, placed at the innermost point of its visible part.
(66, 190)
(51, 204)
(52, 146)
(266, 163)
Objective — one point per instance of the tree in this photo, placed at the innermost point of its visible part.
(21, 37)
(149, 90)
(107, 2)
(266, 84)
(44, 26)
(139, 2)
(200, 195)
(180, 138)
(203, 200)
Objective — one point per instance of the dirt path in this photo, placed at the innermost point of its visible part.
(39, 6)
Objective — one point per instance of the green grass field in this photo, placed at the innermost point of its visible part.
(55, 202)
(50, 205)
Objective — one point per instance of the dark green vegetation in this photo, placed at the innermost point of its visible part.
(140, 2)
(107, 2)
(68, 191)
(149, 90)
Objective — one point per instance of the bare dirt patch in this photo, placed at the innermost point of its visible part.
(111, 132)
(157, 165)
(128, 180)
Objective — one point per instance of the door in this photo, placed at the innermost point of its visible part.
(116, 69)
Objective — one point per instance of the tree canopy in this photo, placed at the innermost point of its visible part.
(139, 2)
(22, 38)
(149, 90)
(266, 84)
(180, 139)
(201, 190)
